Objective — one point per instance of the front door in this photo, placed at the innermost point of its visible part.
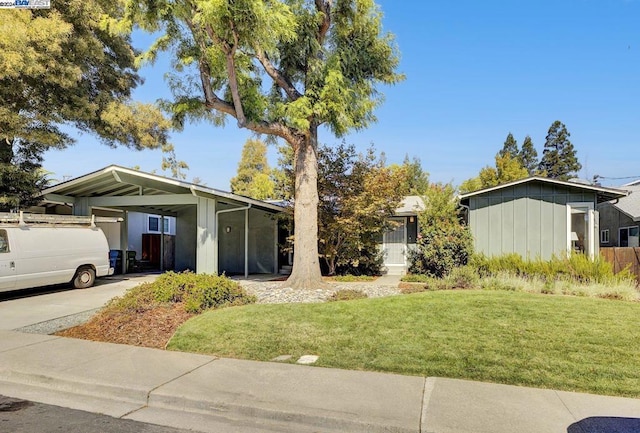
(7, 263)
(394, 244)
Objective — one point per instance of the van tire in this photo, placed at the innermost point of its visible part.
(84, 278)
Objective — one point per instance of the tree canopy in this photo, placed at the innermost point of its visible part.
(507, 169)
(529, 157)
(253, 178)
(510, 147)
(559, 159)
(62, 66)
(282, 68)
(358, 196)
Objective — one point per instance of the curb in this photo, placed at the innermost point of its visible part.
(154, 406)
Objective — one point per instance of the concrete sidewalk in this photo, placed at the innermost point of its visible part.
(208, 394)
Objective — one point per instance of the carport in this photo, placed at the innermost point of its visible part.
(216, 231)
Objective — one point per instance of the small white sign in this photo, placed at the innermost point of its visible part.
(25, 4)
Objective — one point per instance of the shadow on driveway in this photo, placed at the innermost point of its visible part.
(603, 424)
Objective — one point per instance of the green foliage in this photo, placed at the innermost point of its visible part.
(196, 292)
(21, 175)
(529, 156)
(462, 277)
(559, 159)
(282, 68)
(444, 242)
(508, 168)
(576, 267)
(253, 177)
(415, 179)
(510, 147)
(347, 295)
(358, 195)
(62, 67)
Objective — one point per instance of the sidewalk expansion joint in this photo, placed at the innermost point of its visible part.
(174, 379)
(565, 406)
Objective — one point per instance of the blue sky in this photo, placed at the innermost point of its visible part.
(475, 71)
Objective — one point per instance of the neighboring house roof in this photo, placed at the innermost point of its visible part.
(629, 205)
(116, 181)
(602, 193)
(410, 205)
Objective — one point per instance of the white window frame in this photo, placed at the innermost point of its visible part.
(165, 220)
(604, 236)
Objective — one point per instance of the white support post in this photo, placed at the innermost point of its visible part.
(246, 243)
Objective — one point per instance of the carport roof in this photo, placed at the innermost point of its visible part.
(116, 181)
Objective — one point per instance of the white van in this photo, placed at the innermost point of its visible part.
(39, 250)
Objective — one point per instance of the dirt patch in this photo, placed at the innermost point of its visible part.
(150, 328)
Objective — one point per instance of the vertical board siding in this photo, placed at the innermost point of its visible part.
(529, 219)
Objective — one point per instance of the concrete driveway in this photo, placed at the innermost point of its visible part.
(30, 307)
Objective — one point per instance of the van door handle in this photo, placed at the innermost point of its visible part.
(12, 265)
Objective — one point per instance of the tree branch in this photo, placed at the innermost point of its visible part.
(280, 79)
(324, 6)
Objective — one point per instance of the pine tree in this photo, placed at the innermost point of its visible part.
(510, 147)
(559, 158)
(528, 156)
(253, 178)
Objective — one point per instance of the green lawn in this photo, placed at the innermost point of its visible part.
(568, 343)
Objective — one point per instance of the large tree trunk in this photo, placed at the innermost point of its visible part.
(306, 263)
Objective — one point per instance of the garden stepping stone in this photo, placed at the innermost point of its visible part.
(307, 359)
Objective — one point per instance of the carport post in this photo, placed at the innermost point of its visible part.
(246, 243)
(124, 239)
(162, 243)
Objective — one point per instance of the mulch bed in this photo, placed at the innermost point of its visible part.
(151, 328)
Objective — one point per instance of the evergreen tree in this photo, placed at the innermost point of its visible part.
(559, 159)
(510, 147)
(529, 156)
(254, 176)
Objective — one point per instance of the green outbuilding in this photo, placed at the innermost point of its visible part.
(536, 217)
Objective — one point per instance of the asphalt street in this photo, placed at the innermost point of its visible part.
(22, 416)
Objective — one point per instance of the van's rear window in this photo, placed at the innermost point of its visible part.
(4, 242)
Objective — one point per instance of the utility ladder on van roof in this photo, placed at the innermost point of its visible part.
(24, 219)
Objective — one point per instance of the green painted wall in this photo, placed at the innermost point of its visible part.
(529, 219)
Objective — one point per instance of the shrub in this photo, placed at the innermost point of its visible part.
(197, 292)
(444, 242)
(577, 267)
(416, 278)
(347, 295)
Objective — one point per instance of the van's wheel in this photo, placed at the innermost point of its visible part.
(85, 277)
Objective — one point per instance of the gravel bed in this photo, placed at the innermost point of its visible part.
(55, 325)
(273, 292)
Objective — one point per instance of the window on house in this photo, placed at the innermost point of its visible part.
(154, 224)
(629, 236)
(604, 236)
